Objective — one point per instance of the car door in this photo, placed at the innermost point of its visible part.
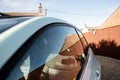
(92, 69)
(55, 52)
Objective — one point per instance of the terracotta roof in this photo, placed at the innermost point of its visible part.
(113, 20)
(19, 14)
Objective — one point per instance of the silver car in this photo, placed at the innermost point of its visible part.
(34, 48)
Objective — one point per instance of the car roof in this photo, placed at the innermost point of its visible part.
(12, 39)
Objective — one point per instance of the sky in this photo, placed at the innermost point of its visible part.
(92, 13)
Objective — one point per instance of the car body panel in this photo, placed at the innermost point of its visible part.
(92, 69)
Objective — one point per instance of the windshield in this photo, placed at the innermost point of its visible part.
(6, 23)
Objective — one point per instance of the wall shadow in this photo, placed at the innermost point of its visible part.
(107, 48)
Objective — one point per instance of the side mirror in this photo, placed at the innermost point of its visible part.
(81, 58)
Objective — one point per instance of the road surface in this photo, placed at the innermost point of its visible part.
(110, 68)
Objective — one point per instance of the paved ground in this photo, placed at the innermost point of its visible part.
(110, 68)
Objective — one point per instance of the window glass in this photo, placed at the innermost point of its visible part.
(7, 23)
(54, 55)
(84, 41)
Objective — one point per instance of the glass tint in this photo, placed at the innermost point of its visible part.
(56, 54)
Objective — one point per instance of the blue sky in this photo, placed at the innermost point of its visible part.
(77, 12)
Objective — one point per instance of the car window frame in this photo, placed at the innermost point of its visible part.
(81, 72)
(12, 62)
(85, 48)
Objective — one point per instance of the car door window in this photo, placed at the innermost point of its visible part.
(54, 54)
(83, 41)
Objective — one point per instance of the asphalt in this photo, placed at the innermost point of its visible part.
(110, 68)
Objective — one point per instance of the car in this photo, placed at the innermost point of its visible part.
(45, 48)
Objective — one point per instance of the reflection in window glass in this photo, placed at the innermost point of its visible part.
(7, 23)
(55, 55)
(84, 42)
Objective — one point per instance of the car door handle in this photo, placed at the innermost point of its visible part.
(97, 75)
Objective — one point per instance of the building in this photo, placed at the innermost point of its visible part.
(41, 12)
(106, 39)
(113, 20)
